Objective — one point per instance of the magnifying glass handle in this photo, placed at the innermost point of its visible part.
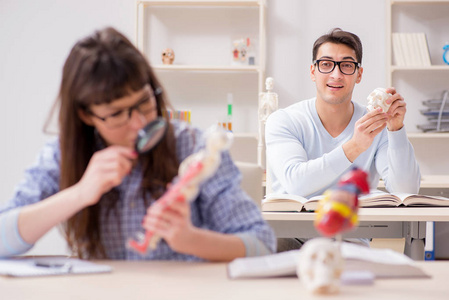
(149, 240)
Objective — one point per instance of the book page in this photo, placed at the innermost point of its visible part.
(287, 197)
(283, 202)
(274, 265)
(383, 263)
(422, 200)
(378, 198)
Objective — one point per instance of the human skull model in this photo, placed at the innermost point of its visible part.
(168, 56)
(269, 83)
(377, 99)
(320, 265)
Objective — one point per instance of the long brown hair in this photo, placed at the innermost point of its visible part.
(99, 69)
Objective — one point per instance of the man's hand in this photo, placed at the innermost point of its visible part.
(365, 130)
(397, 110)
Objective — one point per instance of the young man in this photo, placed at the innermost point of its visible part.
(312, 143)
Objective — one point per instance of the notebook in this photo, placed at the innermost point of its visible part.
(48, 266)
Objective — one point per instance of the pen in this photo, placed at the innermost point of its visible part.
(53, 264)
(49, 264)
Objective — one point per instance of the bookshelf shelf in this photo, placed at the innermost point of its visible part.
(224, 3)
(428, 135)
(207, 68)
(412, 68)
(418, 1)
(203, 34)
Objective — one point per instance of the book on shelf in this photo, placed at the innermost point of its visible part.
(376, 198)
(410, 49)
(397, 50)
(424, 49)
(183, 115)
(413, 45)
(382, 263)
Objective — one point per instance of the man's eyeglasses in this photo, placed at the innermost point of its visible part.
(144, 106)
(326, 66)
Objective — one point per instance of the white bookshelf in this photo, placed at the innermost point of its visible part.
(201, 35)
(418, 83)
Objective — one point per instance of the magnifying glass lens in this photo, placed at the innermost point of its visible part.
(151, 135)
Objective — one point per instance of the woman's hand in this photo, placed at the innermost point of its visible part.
(172, 223)
(106, 169)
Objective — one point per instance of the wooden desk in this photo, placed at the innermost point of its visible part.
(180, 280)
(394, 222)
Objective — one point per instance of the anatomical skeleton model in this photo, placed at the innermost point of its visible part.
(337, 211)
(194, 170)
(268, 103)
(320, 262)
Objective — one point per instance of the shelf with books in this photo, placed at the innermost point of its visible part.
(221, 52)
(420, 82)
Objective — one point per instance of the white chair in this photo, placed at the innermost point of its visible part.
(251, 180)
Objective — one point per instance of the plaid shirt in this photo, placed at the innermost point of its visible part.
(221, 205)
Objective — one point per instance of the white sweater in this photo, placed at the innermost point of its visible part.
(304, 159)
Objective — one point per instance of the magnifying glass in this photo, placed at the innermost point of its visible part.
(149, 136)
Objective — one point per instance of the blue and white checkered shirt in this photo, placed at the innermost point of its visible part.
(221, 206)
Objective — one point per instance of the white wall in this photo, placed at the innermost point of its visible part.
(36, 36)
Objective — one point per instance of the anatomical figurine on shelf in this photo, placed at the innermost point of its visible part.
(268, 103)
(320, 262)
(168, 56)
(337, 211)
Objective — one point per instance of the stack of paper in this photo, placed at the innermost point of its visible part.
(437, 113)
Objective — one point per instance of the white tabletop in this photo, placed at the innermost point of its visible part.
(180, 280)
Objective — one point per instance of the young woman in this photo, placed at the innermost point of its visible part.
(91, 179)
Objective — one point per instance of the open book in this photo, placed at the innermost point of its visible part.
(376, 198)
(382, 263)
(288, 202)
